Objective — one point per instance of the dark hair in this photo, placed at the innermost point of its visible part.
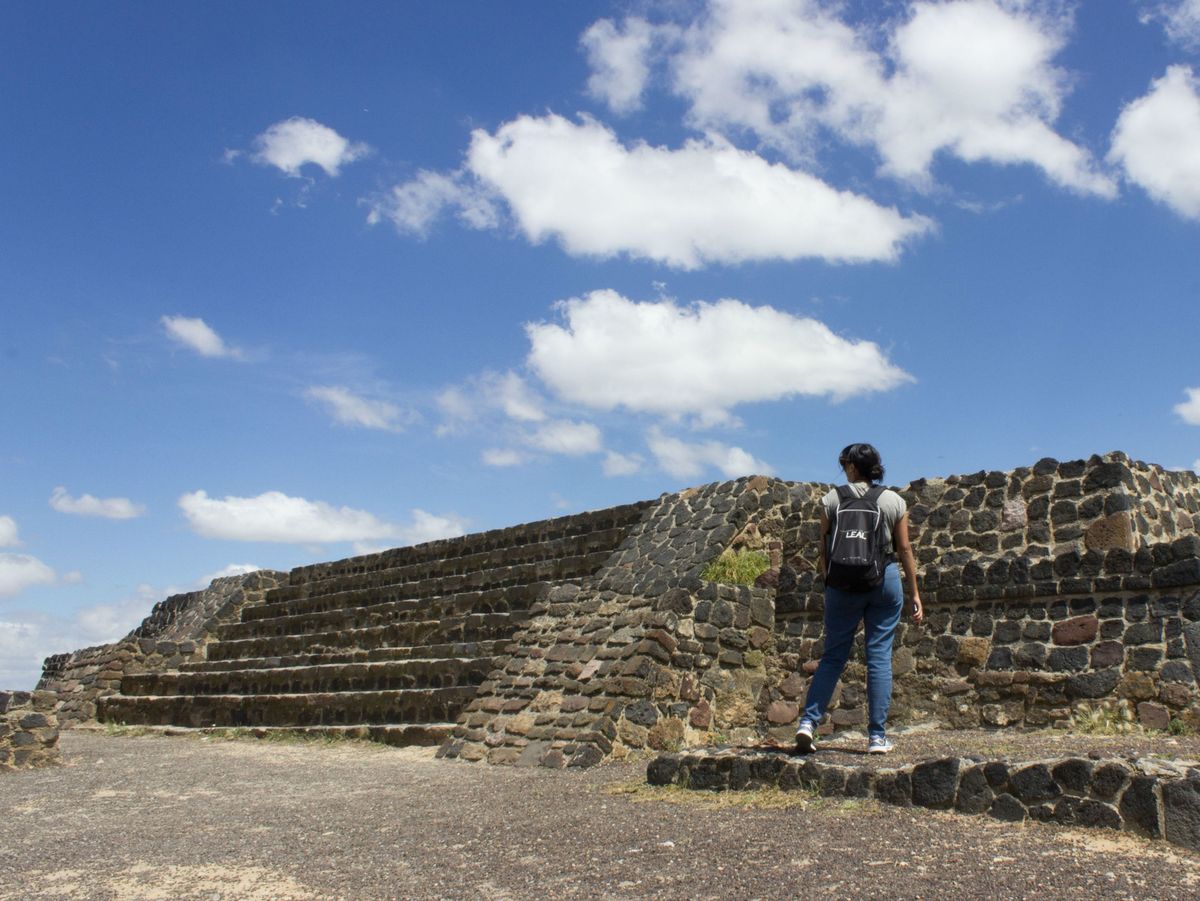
(865, 459)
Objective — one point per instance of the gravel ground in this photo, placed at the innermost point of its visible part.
(153, 817)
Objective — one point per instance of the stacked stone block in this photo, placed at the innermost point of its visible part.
(28, 730)
(646, 654)
(389, 646)
(177, 632)
(1151, 798)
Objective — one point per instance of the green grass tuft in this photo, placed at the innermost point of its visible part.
(737, 568)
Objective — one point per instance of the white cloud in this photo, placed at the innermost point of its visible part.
(508, 392)
(617, 464)
(573, 439)
(233, 569)
(1189, 410)
(413, 207)
(276, 517)
(8, 532)
(706, 202)
(1180, 18)
(88, 505)
(27, 637)
(352, 409)
(502, 457)
(290, 144)
(512, 394)
(685, 460)
(973, 79)
(617, 57)
(1157, 141)
(197, 335)
(659, 357)
(431, 527)
(21, 571)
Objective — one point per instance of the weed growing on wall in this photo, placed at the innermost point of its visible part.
(1105, 718)
(737, 568)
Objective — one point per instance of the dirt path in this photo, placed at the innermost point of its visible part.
(184, 818)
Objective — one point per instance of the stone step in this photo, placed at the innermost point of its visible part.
(620, 518)
(332, 612)
(350, 708)
(323, 678)
(383, 586)
(470, 628)
(471, 649)
(586, 550)
(408, 735)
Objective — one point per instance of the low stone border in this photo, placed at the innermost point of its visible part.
(28, 730)
(1153, 798)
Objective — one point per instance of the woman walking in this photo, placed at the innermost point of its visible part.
(875, 599)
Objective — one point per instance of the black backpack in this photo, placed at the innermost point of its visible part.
(857, 556)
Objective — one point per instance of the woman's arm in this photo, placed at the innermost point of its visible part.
(912, 605)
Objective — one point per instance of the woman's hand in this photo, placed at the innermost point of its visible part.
(914, 608)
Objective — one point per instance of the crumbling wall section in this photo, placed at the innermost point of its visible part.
(28, 730)
(645, 654)
(177, 630)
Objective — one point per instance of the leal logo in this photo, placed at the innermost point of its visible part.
(856, 533)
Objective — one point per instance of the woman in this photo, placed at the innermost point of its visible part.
(879, 607)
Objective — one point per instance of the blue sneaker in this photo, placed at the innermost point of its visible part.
(879, 744)
(805, 743)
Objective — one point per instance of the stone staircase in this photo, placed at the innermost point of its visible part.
(389, 646)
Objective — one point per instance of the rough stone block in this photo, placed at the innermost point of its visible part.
(1034, 783)
(894, 788)
(1181, 813)
(1075, 631)
(1139, 807)
(1114, 532)
(1008, 809)
(935, 783)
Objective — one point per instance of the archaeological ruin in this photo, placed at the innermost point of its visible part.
(565, 642)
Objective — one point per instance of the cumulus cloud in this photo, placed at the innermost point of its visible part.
(617, 55)
(618, 464)
(294, 142)
(1156, 141)
(348, 408)
(21, 571)
(502, 457)
(706, 202)
(688, 460)
(276, 517)
(233, 569)
(663, 358)
(8, 532)
(506, 392)
(1180, 18)
(197, 335)
(973, 79)
(1189, 410)
(573, 439)
(89, 505)
(413, 207)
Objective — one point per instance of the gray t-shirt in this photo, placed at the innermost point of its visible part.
(891, 507)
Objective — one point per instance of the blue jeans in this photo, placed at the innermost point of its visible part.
(880, 610)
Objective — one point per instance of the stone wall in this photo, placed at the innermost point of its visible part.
(177, 630)
(1151, 798)
(28, 730)
(1046, 588)
(643, 654)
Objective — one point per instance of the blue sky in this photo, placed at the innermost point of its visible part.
(283, 283)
